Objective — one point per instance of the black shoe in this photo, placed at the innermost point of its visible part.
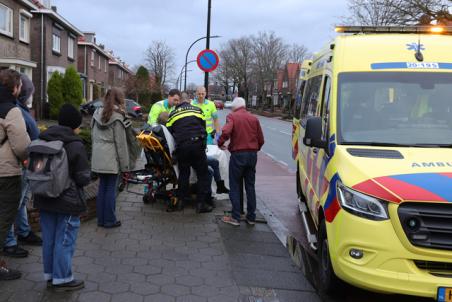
(31, 239)
(15, 251)
(69, 286)
(49, 284)
(211, 202)
(114, 225)
(7, 273)
(221, 189)
(203, 209)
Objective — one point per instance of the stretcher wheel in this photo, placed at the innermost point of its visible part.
(121, 187)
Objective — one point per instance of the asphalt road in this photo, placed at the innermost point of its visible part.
(278, 139)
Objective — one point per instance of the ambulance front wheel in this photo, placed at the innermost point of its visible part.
(328, 281)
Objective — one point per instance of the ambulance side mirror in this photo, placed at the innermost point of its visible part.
(313, 134)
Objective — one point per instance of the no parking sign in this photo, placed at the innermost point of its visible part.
(208, 60)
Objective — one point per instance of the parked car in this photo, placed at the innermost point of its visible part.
(228, 104)
(89, 107)
(133, 109)
(219, 104)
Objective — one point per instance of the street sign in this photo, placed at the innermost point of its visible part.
(208, 60)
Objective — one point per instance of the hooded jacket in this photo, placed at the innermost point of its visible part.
(14, 139)
(110, 153)
(71, 201)
(25, 93)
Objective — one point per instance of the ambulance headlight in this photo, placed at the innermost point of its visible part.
(360, 204)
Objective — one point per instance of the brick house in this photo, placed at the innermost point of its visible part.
(93, 66)
(15, 48)
(289, 84)
(278, 87)
(119, 73)
(54, 47)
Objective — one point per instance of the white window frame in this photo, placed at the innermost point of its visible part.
(9, 19)
(93, 55)
(56, 43)
(70, 48)
(27, 16)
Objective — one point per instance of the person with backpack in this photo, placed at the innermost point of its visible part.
(24, 233)
(14, 141)
(111, 154)
(59, 152)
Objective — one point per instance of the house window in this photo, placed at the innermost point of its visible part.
(70, 47)
(24, 28)
(105, 64)
(285, 84)
(56, 44)
(6, 20)
(92, 59)
(99, 63)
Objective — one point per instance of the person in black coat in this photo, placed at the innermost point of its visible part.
(60, 217)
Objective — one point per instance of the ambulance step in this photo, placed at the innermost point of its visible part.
(310, 236)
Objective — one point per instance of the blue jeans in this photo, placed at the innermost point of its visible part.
(106, 199)
(243, 164)
(59, 234)
(21, 224)
(214, 172)
(213, 163)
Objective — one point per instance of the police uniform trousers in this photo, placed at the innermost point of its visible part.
(193, 154)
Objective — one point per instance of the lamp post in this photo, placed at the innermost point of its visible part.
(179, 84)
(206, 74)
(186, 57)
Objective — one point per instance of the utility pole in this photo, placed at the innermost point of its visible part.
(206, 75)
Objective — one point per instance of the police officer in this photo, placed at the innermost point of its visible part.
(188, 126)
(210, 113)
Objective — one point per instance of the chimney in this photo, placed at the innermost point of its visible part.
(54, 8)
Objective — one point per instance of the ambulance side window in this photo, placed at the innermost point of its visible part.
(311, 97)
(298, 99)
(326, 105)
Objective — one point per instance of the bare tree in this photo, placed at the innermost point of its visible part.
(160, 61)
(223, 75)
(238, 56)
(270, 53)
(396, 12)
(297, 53)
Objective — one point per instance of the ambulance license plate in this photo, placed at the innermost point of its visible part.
(444, 294)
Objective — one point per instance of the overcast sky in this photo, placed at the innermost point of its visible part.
(128, 27)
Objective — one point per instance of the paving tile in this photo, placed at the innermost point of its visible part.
(127, 297)
(175, 290)
(114, 287)
(159, 298)
(144, 288)
(191, 298)
(94, 296)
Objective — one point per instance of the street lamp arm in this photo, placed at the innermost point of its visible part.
(186, 57)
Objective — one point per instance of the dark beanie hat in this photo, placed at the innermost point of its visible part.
(69, 117)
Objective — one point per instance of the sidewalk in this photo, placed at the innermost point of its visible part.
(159, 256)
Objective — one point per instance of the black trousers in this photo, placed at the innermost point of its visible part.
(193, 155)
(10, 192)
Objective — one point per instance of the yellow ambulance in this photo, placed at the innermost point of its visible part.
(374, 173)
(305, 66)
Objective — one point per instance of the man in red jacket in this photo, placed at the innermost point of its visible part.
(246, 139)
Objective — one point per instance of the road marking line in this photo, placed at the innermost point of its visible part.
(285, 132)
(283, 163)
